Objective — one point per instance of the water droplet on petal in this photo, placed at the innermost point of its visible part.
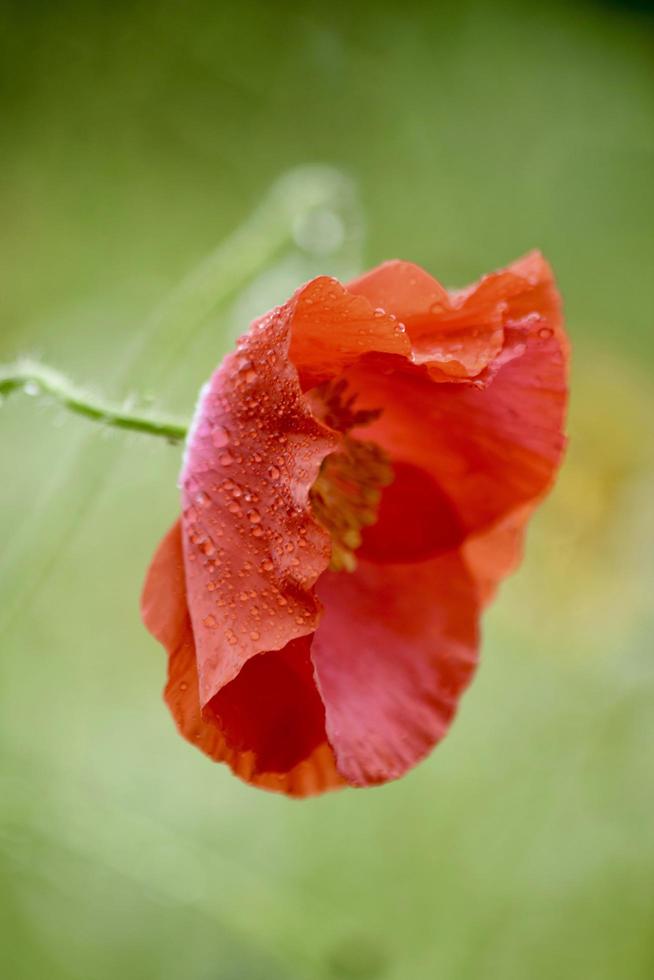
(219, 437)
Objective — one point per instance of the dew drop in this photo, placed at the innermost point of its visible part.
(210, 622)
(545, 333)
(219, 437)
(254, 517)
(226, 459)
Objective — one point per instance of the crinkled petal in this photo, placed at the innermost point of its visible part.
(455, 338)
(165, 614)
(492, 452)
(393, 653)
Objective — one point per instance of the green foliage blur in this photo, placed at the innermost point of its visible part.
(136, 137)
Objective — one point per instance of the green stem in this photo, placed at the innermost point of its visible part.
(38, 379)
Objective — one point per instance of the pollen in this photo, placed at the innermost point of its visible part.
(346, 494)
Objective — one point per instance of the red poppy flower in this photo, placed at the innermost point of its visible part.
(357, 481)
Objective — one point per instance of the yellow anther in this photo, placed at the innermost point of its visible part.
(345, 496)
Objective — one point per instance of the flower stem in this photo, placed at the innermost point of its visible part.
(38, 379)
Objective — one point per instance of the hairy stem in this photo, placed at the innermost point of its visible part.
(38, 379)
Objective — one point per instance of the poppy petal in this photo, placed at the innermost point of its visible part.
(272, 708)
(456, 338)
(495, 553)
(165, 614)
(394, 651)
(252, 548)
(492, 451)
(332, 328)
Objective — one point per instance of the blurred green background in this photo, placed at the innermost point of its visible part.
(136, 137)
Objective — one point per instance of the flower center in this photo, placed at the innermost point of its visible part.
(346, 494)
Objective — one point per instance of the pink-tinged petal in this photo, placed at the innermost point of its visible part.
(253, 550)
(166, 615)
(393, 653)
